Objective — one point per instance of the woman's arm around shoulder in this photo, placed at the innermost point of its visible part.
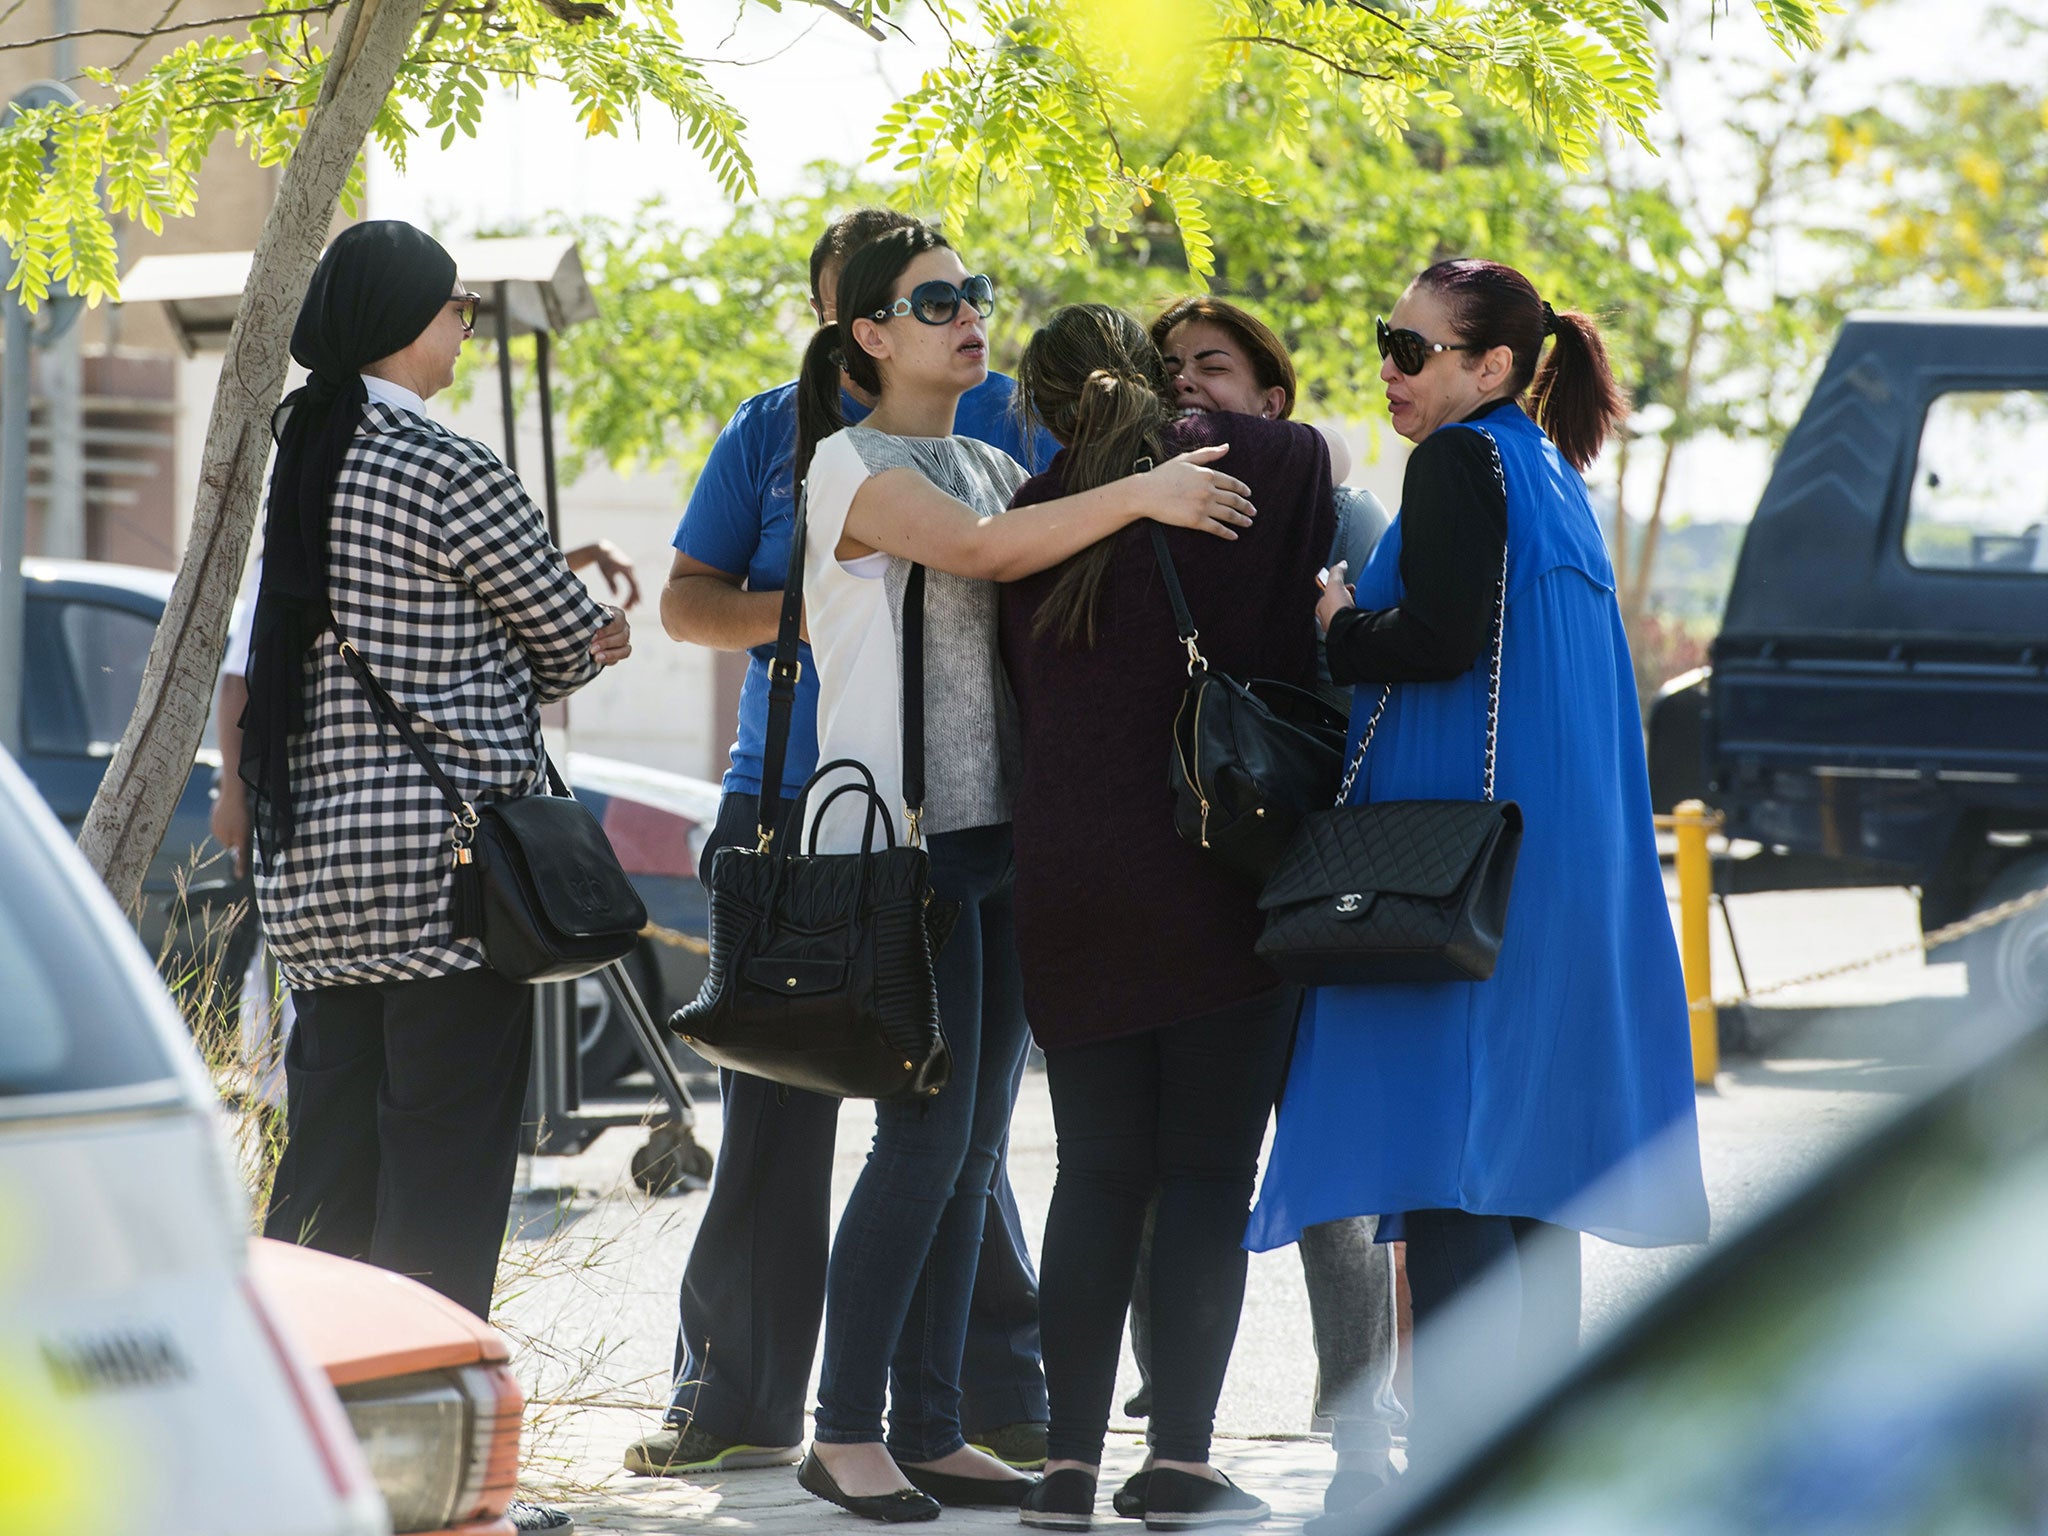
(902, 513)
(498, 542)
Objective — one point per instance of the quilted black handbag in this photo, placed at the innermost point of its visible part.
(1250, 757)
(1406, 890)
(822, 965)
(536, 879)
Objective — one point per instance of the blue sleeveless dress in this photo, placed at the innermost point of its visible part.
(1561, 1088)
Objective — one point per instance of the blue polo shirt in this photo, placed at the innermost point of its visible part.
(740, 519)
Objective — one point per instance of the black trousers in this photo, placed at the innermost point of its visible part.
(752, 1298)
(1496, 1304)
(403, 1102)
(1179, 1111)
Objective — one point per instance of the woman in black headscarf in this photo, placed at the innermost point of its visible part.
(406, 1071)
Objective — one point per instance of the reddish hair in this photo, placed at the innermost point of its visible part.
(1574, 397)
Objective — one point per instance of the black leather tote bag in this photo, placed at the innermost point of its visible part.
(1250, 757)
(822, 972)
(822, 964)
(1405, 890)
(536, 879)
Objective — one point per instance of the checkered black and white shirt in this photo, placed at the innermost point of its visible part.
(442, 574)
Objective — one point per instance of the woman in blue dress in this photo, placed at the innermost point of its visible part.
(1498, 1120)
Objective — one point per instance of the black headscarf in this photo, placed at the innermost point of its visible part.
(376, 290)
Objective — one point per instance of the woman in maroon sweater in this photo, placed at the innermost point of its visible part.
(1165, 1036)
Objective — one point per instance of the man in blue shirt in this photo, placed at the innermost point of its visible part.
(753, 1291)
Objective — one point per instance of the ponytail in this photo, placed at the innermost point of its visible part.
(865, 284)
(1575, 397)
(1093, 377)
(817, 399)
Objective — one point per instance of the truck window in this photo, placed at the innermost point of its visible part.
(1980, 486)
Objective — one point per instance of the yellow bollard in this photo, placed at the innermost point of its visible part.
(1695, 949)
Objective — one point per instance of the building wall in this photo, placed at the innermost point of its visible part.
(139, 474)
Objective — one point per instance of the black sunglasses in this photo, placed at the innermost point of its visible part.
(466, 303)
(938, 301)
(1411, 354)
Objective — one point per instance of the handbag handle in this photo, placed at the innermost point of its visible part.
(1500, 624)
(460, 810)
(876, 811)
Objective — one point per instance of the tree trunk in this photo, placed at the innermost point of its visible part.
(1646, 552)
(133, 808)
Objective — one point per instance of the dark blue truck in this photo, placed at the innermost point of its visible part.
(1876, 710)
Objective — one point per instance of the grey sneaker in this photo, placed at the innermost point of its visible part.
(672, 1452)
(1018, 1445)
(526, 1515)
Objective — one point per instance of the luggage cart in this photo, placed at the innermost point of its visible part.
(558, 1120)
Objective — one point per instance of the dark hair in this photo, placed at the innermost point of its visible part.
(1095, 380)
(1267, 353)
(847, 234)
(1573, 394)
(866, 283)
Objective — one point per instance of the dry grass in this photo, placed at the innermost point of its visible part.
(241, 1040)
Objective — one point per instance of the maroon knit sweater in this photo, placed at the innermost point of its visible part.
(1121, 926)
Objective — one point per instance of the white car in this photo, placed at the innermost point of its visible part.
(145, 1384)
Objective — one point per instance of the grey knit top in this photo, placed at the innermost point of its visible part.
(855, 616)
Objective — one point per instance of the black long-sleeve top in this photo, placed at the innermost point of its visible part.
(1454, 528)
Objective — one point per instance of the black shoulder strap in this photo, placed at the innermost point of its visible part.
(382, 702)
(783, 673)
(913, 700)
(1184, 621)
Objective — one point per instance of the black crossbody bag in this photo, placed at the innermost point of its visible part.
(536, 880)
(823, 966)
(1403, 890)
(1250, 756)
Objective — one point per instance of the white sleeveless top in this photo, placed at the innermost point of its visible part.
(854, 610)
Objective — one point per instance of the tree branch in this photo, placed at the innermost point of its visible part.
(1259, 39)
(850, 16)
(156, 30)
(160, 29)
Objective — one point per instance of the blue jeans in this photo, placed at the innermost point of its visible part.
(898, 1288)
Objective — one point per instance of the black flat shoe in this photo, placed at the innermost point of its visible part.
(971, 1492)
(1181, 1501)
(1060, 1501)
(899, 1508)
(1129, 1500)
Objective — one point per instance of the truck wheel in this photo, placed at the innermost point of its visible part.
(672, 1159)
(2008, 964)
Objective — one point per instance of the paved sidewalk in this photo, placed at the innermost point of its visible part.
(1289, 1474)
(590, 1280)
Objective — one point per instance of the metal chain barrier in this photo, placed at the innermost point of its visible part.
(1976, 922)
(675, 939)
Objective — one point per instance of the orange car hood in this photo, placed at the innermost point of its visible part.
(364, 1324)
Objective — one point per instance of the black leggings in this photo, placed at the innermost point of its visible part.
(1179, 1111)
(1496, 1302)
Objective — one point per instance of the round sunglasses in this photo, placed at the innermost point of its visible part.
(1410, 352)
(938, 301)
